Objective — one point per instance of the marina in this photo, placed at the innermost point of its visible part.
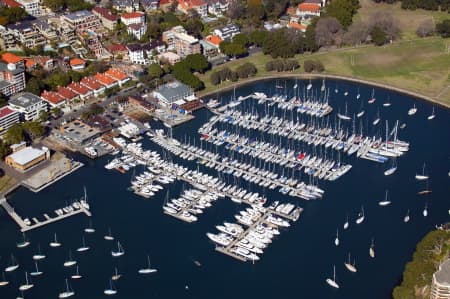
(243, 192)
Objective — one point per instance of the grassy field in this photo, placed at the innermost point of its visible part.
(408, 20)
(6, 183)
(420, 66)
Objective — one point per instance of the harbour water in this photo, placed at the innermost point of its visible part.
(298, 261)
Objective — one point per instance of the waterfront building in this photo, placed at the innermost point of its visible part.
(79, 132)
(28, 105)
(12, 78)
(25, 157)
(440, 287)
(8, 118)
(173, 93)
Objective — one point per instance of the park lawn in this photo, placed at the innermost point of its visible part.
(6, 183)
(408, 20)
(420, 66)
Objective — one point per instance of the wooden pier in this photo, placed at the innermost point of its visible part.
(24, 227)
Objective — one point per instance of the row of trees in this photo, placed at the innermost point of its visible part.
(225, 74)
(10, 15)
(71, 5)
(429, 252)
(282, 65)
(313, 66)
(183, 70)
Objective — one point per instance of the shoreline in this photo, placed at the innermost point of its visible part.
(330, 76)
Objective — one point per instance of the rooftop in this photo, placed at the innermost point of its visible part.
(116, 74)
(92, 83)
(9, 57)
(76, 61)
(14, 70)
(103, 79)
(443, 274)
(52, 97)
(11, 3)
(78, 88)
(26, 155)
(78, 15)
(134, 47)
(132, 15)
(214, 39)
(66, 93)
(6, 111)
(113, 48)
(174, 90)
(186, 37)
(309, 7)
(24, 99)
(105, 13)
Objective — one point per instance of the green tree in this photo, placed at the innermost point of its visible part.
(379, 37)
(155, 71)
(194, 26)
(4, 149)
(33, 129)
(443, 28)
(197, 62)
(257, 37)
(215, 78)
(43, 116)
(54, 5)
(15, 134)
(34, 86)
(3, 101)
(241, 39)
(255, 9)
(343, 11)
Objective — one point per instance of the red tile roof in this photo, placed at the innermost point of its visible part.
(309, 7)
(105, 80)
(29, 63)
(214, 39)
(5, 111)
(12, 3)
(189, 4)
(91, 83)
(132, 15)
(78, 88)
(116, 74)
(105, 13)
(52, 97)
(297, 26)
(9, 57)
(77, 61)
(66, 93)
(114, 48)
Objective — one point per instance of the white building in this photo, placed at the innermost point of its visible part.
(28, 105)
(136, 17)
(227, 32)
(440, 288)
(8, 118)
(217, 7)
(137, 30)
(136, 54)
(32, 7)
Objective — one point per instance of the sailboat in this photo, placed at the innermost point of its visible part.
(55, 242)
(119, 251)
(14, 265)
(358, 95)
(377, 119)
(70, 262)
(346, 93)
(350, 267)
(24, 243)
(406, 218)
(425, 210)
(426, 191)
(147, 270)
(89, 229)
(372, 97)
(392, 169)
(116, 275)
(322, 88)
(344, 116)
(77, 274)
(109, 236)
(3, 282)
(37, 272)
(295, 85)
(346, 224)
(387, 103)
(67, 293)
(385, 202)
(309, 86)
(432, 115)
(372, 249)
(21, 295)
(412, 110)
(27, 284)
(422, 177)
(332, 282)
(110, 291)
(336, 241)
(39, 256)
(83, 247)
(360, 218)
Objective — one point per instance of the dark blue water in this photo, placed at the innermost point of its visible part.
(296, 264)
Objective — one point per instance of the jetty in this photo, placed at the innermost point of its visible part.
(38, 223)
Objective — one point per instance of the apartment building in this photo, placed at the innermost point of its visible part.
(12, 78)
(82, 21)
(28, 105)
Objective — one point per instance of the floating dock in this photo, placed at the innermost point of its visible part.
(24, 227)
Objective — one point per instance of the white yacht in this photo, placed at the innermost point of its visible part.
(55, 242)
(332, 282)
(149, 269)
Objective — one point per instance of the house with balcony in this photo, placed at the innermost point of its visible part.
(82, 21)
(28, 105)
(227, 32)
(198, 5)
(27, 34)
(107, 18)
